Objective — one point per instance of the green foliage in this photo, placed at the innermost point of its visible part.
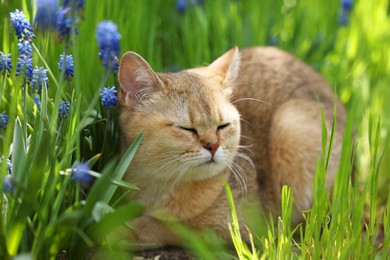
(48, 213)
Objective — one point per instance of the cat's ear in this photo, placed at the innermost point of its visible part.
(137, 79)
(227, 66)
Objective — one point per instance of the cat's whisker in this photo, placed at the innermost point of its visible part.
(165, 165)
(243, 120)
(246, 148)
(183, 170)
(251, 99)
(246, 158)
(242, 84)
(238, 174)
(246, 137)
(162, 158)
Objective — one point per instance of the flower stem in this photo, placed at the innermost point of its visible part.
(105, 135)
(24, 87)
(58, 132)
(2, 88)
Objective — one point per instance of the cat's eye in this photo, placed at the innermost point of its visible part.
(192, 130)
(223, 126)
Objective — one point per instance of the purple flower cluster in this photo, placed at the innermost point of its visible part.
(22, 27)
(5, 64)
(109, 98)
(182, 5)
(64, 110)
(8, 185)
(39, 79)
(80, 173)
(46, 15)
(3, 120)
(345, 10)
(68, 17)
(108, 41)
(66, 64)
(25, 34)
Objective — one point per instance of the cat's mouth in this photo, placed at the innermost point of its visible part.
(211, 161)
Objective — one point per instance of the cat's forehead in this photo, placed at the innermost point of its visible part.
(195, 99)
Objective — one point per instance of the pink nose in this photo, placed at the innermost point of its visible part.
(211, 147)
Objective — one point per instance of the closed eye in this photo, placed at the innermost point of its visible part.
(221, 127)
(192, 130)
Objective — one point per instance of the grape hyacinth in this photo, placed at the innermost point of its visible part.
(64, 22)
(63, 109)
(7, 162)
(346, 8)
(8, 186)
(68, 70)
(5, 64)
(108, 41)
(109, 98)
(22, 27)
(46, 16)
(77, 5)
(24, 65)
(25, 60)
(181, 5)
(3, 120)
(80, 173)
(67, 17)
(39, 79)
(37, 102)
(25, 48)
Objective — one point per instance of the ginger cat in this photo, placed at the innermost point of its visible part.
(251, 118)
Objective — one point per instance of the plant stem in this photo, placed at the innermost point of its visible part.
(2, 87)
(24, 87)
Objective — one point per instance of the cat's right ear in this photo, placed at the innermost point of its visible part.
(137, 79)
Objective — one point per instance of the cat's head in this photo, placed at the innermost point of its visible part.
(191, 129)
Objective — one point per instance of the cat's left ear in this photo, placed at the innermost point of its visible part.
(227, 66)
(137, 79)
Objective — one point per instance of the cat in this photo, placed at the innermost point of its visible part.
(251, 117)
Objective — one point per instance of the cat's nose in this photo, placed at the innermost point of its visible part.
(212, 147)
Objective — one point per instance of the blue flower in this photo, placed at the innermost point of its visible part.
(110, 60)
(37, 101)
(39, 79)
(65, 20)
(3, 120)
(68, 66)
(5, 63)
(22, 27)
(63, 110)
(25, 65)
(75, 4)
(80, 173)
(24, 48)
(8, 163)
(109, 98)
(347, 5)
(108, 36)
(108, 40)
(8, 186)
(46, 16)
(181, 6)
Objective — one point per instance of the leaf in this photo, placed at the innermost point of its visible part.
(18, 153)
(115, 218)
(100, 210)
(122, 167)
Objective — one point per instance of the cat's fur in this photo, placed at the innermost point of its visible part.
(206, 125)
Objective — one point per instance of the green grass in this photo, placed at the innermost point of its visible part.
(48, 213)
